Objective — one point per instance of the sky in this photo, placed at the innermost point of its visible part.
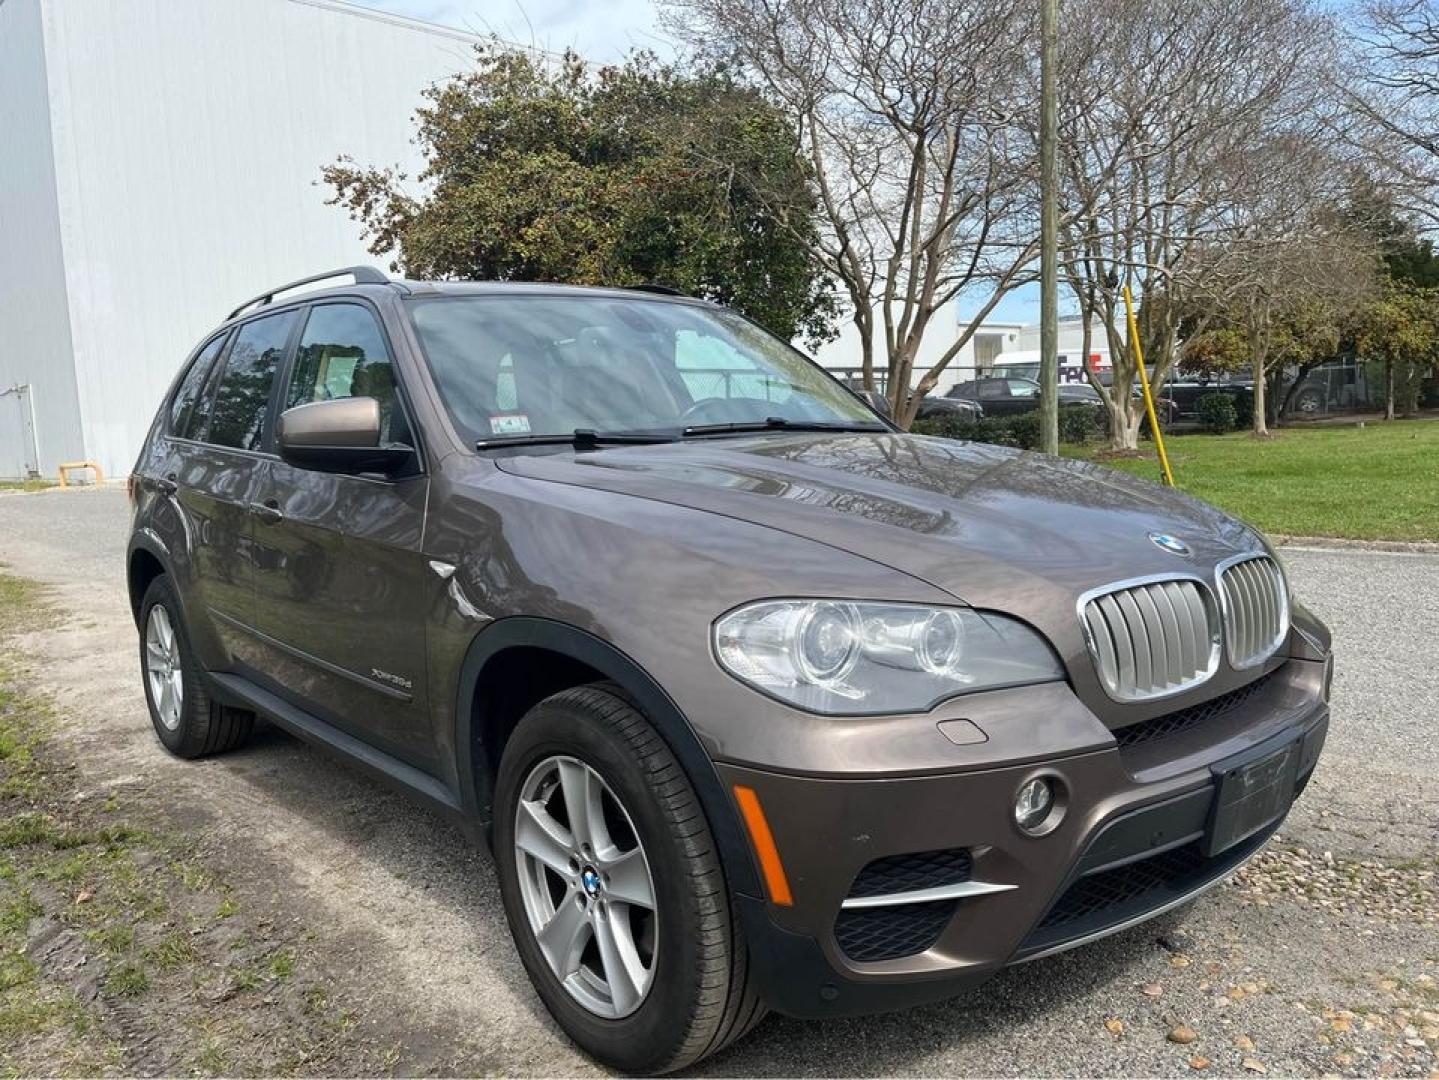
(602, 31)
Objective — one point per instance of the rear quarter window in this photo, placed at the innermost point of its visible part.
(187, 412)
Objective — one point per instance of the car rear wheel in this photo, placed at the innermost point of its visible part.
(613, 888)
(187, 721)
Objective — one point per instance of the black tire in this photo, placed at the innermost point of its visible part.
(203, 726)
(702, 997)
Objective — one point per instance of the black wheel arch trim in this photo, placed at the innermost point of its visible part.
(146, 540)
(649, 697)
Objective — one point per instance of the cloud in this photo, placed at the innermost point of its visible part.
(599, 30)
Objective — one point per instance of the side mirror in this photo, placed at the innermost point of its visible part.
(341, 436)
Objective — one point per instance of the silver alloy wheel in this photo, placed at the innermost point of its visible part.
(163, 667)
(586, 886)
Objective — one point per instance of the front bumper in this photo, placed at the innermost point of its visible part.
(1129, 847)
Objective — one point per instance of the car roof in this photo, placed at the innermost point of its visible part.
(405, 287)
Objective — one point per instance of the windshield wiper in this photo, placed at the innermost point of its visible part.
(779, 423)
(580, 439)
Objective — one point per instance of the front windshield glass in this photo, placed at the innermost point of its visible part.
(525, 366)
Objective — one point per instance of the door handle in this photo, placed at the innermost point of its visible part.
(267, 511)
(168, 484)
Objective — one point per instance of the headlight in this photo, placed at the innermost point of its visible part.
(847, 657)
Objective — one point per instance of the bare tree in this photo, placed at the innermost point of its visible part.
(1394, 90)
(1164, 107)
(907, 114)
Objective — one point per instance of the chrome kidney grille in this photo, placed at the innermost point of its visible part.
(1152, 639)
(1256, 609)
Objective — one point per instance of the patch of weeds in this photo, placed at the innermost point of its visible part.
(115, 940)
(127, 980)
(212, 1061)
(317, 1000)
(26, 829)
(173, 951)
(16, 913)
(193, 876)
(15, 969)
(246, 977)
(282, 965)
(227, 908)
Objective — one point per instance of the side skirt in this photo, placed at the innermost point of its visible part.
(426, 789)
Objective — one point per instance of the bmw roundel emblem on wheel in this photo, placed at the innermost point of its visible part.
(1171, 544)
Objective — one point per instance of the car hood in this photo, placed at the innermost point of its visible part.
(994, 527)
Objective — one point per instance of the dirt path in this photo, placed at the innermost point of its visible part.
(1319, 964)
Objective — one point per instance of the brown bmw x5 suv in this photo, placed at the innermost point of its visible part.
(761, 703)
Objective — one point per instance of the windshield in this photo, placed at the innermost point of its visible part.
(526, 366)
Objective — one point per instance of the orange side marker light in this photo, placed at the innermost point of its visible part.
(763, 841)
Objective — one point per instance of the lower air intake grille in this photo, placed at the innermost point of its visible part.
(886, 933)
(906, 873)
(1122, 886)
(1162, 727)
(1110, 898)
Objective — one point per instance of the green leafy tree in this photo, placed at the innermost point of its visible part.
(1401, 330)
(636, 173)
(1221, 350)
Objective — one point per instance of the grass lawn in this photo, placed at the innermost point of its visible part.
(27, 485)
(1379, 482)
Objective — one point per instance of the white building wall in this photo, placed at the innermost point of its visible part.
(34, 320)
(845, 353)
(1071, 336)
(189, 138)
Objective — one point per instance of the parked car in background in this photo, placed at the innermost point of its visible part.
(934, 406)
(1185, 390)
(1010, 396)
(760, 703)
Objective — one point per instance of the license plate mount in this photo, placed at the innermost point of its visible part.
(1250, 794)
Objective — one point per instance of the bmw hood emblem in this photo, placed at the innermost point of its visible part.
(1171, 544)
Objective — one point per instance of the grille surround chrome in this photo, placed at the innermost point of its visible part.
(1259, 588)
(1204, 655)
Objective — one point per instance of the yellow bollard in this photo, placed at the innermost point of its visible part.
(67, 466)
(1144, 384)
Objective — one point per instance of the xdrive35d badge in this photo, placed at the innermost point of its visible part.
(655, 582)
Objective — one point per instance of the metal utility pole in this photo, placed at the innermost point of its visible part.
(1049, 230)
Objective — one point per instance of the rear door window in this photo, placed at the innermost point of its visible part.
(243, 399)
(188, 410)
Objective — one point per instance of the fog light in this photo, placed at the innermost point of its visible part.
(1033, 804)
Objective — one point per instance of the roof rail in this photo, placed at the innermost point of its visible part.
(654, 287)
(363, 275)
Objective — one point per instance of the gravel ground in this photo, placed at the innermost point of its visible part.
(1320, 958)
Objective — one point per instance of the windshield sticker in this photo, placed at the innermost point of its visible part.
(510, 424)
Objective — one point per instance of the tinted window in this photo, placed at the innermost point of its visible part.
(342, 354)
(185, 418)
(238, 417)
(993, 388)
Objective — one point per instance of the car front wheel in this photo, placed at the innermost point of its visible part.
(613, 888)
